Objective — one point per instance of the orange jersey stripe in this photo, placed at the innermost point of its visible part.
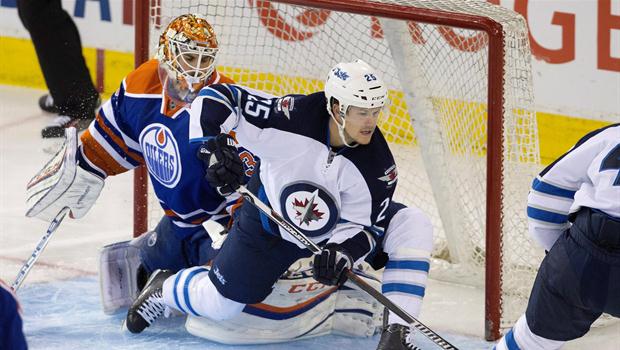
(170, 213)
(200, 220)
(99, 156)
(135, 156)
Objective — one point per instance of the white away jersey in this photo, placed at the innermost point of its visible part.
(586, 176)
(327, 194)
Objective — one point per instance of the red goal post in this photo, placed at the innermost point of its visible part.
(505, 141)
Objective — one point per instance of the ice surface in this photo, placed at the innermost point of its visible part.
(67, 315)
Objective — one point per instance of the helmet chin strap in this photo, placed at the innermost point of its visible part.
(341, 131)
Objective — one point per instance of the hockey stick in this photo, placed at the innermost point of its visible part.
(275, 217)
(23, 272)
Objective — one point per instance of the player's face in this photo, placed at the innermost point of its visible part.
(191, 62)
(361, 123)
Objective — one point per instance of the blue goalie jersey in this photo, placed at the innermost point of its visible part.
(141, 125)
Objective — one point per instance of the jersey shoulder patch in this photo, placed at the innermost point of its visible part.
(285, 105)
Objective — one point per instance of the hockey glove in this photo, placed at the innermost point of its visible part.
(224, 167)
(330, 266)
(63, 183)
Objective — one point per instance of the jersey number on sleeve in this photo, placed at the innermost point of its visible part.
(612, 162)
(384, 205)
(256, 108)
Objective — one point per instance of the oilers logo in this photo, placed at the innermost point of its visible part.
(309, 207)
(161, 154)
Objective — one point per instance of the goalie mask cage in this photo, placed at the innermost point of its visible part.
(460, 124)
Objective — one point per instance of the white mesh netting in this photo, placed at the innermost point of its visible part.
(437, 121)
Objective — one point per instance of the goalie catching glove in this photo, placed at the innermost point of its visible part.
(224, 167)
(63, 183)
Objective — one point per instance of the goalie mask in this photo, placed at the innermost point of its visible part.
(354, 84)
(186, 55)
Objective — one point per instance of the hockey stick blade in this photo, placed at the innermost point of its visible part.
(293, 231)
(23, 272)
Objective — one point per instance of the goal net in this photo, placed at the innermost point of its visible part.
(460, 124)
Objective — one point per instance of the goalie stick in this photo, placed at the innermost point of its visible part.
(23, 272)
(278, 219)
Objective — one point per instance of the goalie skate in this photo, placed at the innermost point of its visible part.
(149, 305)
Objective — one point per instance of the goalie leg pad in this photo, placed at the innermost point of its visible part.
(357, 313)
(298, 308)
(119, 267)
(125, 266)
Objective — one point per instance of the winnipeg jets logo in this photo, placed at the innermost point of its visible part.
(342, 75)
(285, 105)
(306, 210)
(391, 175)
(309, 207)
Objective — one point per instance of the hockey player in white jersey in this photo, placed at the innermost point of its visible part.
(329, 172)
(574, 214)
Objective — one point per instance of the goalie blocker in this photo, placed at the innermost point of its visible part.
(62, 183)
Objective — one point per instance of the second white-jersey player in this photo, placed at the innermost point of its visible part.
(574, 213)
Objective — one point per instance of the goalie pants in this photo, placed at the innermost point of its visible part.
(166, 248)
(57, 43)
(578, 280)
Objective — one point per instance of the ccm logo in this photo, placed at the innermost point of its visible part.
(309, 287)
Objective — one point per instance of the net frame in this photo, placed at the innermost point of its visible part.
(495, 124)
